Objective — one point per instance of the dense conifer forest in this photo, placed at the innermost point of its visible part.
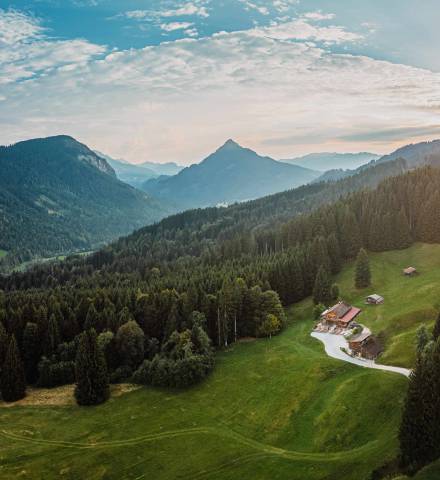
(165, 287)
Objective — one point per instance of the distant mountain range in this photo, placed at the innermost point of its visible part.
(169, 168)
(333, 161)
(136, 174)
(415, 154)
(56, 195)
(231, 174)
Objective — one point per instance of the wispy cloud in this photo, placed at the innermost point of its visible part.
(302, 29)
(172, 26)
(282, 83)
(197, 8)
(262, 9)
(391, 134)
(186, 9)
(17, 27)
(318, 16)
(27, 51)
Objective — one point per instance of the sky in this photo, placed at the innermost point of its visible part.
(168, 80)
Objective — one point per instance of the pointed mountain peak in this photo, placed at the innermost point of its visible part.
(230, 144)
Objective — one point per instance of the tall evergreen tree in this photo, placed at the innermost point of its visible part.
(322, 291)
(52, 337)
(92, 319)
(31, 352)
(13, 383)
(92, 385)
(362, 273)
(3, 343)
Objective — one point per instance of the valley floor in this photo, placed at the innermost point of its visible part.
(273, 409)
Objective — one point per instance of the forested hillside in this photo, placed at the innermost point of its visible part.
(57, 196)
(229, 287)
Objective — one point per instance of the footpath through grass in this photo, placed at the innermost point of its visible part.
(273, 409)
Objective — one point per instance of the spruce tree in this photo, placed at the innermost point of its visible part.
(13, 383)
(362, 274)
(92, 318)
(322, 291)
(31, 352)
(91, 371)
(3, 343)
(52, 338)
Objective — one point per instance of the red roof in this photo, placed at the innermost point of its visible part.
(350, 315)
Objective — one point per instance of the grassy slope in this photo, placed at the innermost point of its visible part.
(3, 253)
(408, 301)
(273, 409)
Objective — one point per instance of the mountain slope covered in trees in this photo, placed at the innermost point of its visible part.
(333, 161)
(231, 174)
(56, 196)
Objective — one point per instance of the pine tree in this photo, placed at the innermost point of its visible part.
(52, 337)
(31, 352)
(322, 291)
(402, 231)
(92, 385)
(3, 343)
(362, 274)
(420, 422)
(13, 383)
(92, 318)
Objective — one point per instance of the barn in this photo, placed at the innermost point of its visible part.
(365, 345)
(340, 315)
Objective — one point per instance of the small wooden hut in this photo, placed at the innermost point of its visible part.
(374, 299)
(410, 271)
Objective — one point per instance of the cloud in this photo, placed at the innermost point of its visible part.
(187, 9)
(301, 29)
(27, 51)
(398, 133)
(278, 89)
(137, 14)
(318, 16)
(283, 6)
(171, 27)
(263, 10)
(196, 9)
(16, 27)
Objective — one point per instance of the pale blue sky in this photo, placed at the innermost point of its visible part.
(171, 80)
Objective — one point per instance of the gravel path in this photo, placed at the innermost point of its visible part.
(333, 344)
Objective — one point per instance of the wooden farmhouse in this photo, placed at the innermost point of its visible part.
(365, 345)
(340, 315)
(374, 299)
(410, 271)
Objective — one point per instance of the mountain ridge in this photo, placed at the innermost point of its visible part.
(326, 161)
(57, 196)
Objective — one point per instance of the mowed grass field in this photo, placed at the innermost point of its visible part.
(272, 409)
